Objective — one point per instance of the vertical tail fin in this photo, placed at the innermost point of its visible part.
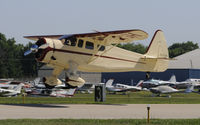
(189, 89)
(158, 46)
(157, 56)
(19, 87)
(109, 82)
(173, 78)
(139, 83)
(36, 81)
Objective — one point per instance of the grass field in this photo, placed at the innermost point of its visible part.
(131, 98)
(100, 122)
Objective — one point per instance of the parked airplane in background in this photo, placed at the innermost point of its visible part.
(11, 83)
(186, 83)
(121, 87)
(39, 89)
(86, 88)
(11, 92)
(5, 81)
(154, 82)
(165, 89)
(62, 92)
(172, 82)
(97, 52)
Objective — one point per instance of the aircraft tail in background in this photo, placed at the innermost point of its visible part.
(109, 82)
(173, 78)
(140, 83)
(19, 87)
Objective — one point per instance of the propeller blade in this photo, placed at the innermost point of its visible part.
(34, 47)
(27, 52)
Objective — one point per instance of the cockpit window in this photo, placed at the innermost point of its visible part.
(89, 45)
(101, 48)
(71, 41)
(80, 43)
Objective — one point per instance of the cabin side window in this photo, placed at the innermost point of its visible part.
(80, 43)
(89, 45)
(71, 41)
(101, 48)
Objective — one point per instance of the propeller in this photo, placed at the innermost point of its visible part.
(34, 48)
(27, 52)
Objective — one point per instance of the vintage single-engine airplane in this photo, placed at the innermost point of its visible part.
(97, 52)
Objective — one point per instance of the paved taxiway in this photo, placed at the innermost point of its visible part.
(90, 111)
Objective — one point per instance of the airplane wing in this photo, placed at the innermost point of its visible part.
(35, 38)
(107, 38)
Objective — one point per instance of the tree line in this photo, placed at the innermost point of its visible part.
(13, 63)
(175, 49)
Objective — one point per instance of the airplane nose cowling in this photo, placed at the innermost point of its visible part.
(44, 46)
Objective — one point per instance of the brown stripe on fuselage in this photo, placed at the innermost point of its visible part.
(88, 54)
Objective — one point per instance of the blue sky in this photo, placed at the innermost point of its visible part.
(179, 19)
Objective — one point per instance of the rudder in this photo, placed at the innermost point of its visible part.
(157, 57)
(158, 46)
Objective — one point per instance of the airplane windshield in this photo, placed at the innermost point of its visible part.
(71, 41)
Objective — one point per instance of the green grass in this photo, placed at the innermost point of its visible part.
(131, 98)
(100, 122)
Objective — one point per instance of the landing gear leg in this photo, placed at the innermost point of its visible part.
(72, 80)
(51, 81)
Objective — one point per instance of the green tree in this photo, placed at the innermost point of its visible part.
(3, 67)
(180, 48)
(29, 63)
(12, 61)
(139, 48)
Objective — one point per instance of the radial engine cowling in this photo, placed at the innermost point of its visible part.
(44, 46)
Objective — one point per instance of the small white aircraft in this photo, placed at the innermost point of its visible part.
(62, 92)
(188, 82)
(154, 82)
(11, 92)
(97, 52)
(11, 84)
(87, 88)
(122, 87)
(165, 89)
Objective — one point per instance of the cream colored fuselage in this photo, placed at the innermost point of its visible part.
(112, 59)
